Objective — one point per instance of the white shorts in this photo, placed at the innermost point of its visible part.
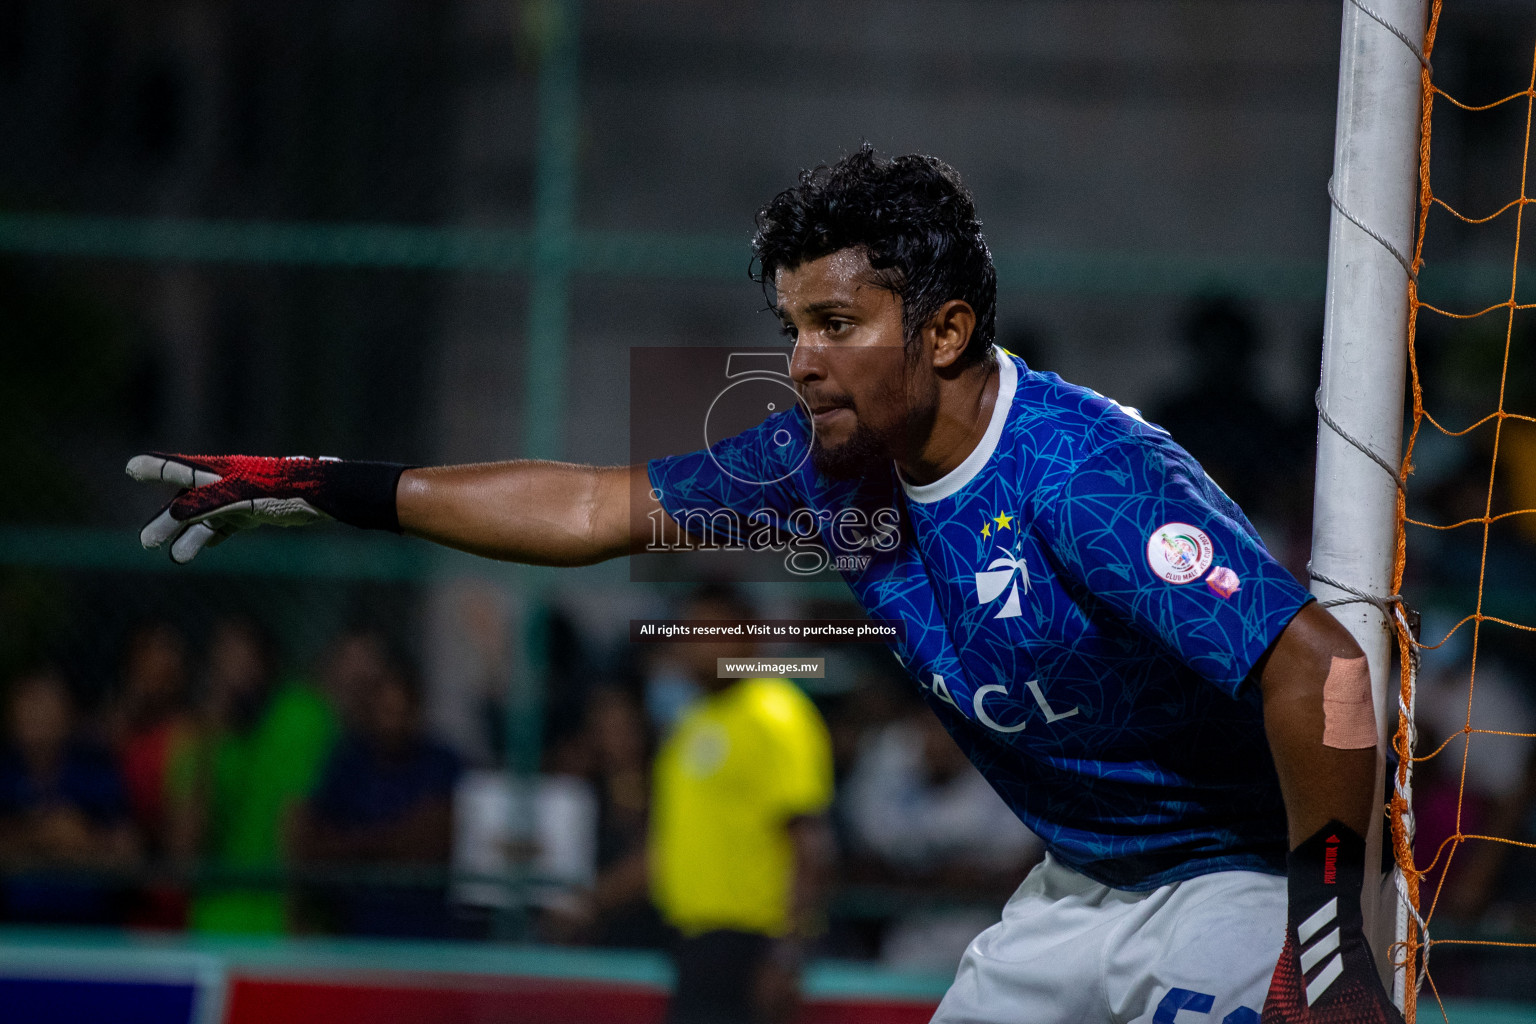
(1071, 951)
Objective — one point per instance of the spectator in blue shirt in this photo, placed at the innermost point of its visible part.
(63, 811)
(385, 799)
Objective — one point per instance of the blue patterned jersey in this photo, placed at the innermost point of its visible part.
(1083, 608)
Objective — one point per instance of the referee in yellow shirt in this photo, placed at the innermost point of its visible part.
(739, 844)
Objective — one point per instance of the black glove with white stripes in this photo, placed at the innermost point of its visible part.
(1326, 974)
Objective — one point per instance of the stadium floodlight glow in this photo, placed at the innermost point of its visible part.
(1365, 335)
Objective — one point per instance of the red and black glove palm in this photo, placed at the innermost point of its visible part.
(1326, 974)
(225, 493)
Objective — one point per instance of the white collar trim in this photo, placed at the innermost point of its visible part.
(949, 483)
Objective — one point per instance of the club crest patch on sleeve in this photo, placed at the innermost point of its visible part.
(1179, 553)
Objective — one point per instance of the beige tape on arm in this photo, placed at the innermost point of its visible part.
(1349, 716)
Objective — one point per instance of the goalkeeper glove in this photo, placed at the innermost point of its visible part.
(225, 493)
(1326, 974)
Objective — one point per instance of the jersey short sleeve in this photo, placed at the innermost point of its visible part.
(1143, 530)
(749, 477)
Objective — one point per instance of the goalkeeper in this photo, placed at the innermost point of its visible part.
(1094, 621)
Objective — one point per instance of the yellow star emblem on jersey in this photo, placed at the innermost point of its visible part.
(986, 528)
(1003, 520)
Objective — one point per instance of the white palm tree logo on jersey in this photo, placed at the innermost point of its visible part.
(996, 578)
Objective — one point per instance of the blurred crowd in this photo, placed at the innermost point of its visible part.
(214, 786)
(171, 802)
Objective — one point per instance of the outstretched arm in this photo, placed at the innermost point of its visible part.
(545, 513)
(542, 513)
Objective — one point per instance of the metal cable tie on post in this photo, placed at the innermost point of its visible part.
(1381, 604)
(1384, 23)
(1361, 446)
(1357, 222)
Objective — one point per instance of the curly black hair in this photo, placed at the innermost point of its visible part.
(915, 222)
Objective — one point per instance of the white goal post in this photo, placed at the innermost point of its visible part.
(1373, 193)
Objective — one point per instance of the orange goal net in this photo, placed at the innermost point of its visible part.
(1449, 837)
